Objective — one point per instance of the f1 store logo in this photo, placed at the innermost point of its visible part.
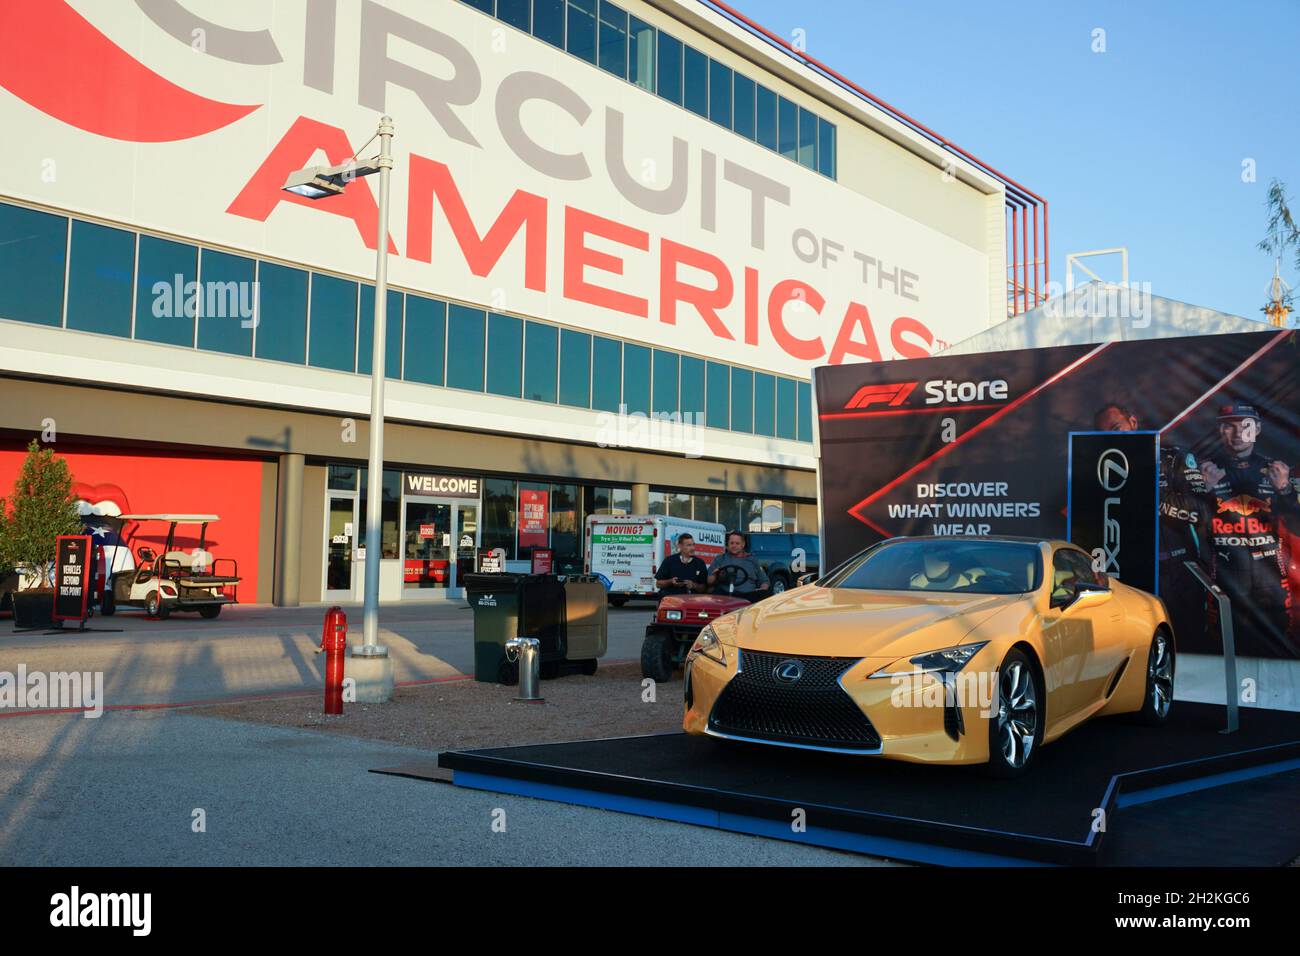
(937, 392)
(889, 395)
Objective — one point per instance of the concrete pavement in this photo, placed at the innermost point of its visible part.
(259, 649)
(123, 790)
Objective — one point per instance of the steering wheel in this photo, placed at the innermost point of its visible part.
(732, 576)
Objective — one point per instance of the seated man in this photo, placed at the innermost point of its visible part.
(735, 572)
(681, 573)
(938, 574)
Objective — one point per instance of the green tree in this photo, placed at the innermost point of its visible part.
(40, 509)
(1281, 232)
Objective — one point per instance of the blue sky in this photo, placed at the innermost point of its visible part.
(1139, 146)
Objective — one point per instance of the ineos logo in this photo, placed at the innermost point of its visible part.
(1112, 469)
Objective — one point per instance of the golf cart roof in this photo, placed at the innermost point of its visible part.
(179, 519)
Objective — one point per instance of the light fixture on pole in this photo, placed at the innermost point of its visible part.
(320, 182)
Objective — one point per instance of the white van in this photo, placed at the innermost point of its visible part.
(626, 550)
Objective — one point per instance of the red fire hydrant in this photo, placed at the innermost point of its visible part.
(334, 643)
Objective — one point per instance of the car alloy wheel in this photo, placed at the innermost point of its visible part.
(1160, 676)
(1017, 713)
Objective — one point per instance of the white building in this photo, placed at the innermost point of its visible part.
(602, 212)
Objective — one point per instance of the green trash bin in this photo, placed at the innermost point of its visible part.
(515, 605)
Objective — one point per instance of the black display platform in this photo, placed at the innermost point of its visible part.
(946, 815)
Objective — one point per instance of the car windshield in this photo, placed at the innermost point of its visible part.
(941, 564)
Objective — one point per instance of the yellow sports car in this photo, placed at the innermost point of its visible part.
(936, 650)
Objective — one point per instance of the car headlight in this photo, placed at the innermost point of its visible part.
(672, 615)
(948, 660)
(708, 645)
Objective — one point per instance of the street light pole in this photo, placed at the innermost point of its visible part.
(370, 646)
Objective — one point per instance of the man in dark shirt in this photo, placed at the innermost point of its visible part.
(683, 572)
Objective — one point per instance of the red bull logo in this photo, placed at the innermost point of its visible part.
(1245, 505)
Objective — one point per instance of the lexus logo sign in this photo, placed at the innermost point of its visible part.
(788, 671)
(1112, 469)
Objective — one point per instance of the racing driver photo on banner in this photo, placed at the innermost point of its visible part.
(1230, 501)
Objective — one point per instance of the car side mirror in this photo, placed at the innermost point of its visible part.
(1089, 595)
(809, 578)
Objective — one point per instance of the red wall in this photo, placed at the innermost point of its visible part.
(156, 483)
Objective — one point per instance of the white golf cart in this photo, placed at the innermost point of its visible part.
(175, 580)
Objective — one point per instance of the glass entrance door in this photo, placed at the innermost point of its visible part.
(466, 540)
(340, 547)
(440, 536)
(429, 545)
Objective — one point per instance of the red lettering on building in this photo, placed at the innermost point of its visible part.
(264, 191)
(525, 211)
(578, 257)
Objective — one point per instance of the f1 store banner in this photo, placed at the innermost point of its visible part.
(526, 179)
(980, 444)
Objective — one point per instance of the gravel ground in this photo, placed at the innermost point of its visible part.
(465, 714)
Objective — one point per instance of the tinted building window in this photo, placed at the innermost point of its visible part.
(505, 355)
(719, 93)
(606, 373)
(730, 513)
(807, 139)
(165, 302)
(764, 404)
(805, 411)
(719, 395)
(679, 505)
(692, 388)
(787, 409)
(484, 5)
(332, 337)
(765, 109)
(281, 332)
(742, 110)
(826, 148)
(548, 21)
(565, 528)
(465, 342)
(742, 400)
(695, 89)
(514, 12)
(636, 378)
(498, 520)
(99, 279)
(33, 249)
(541, 343)
(665, 381)
(227, 304)
(669, 80)
(392, 332)
(581, 39)
(575, 368)
(390, 510)
(787, 120)
(425, 340)
(641, 53)
(613, 40)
